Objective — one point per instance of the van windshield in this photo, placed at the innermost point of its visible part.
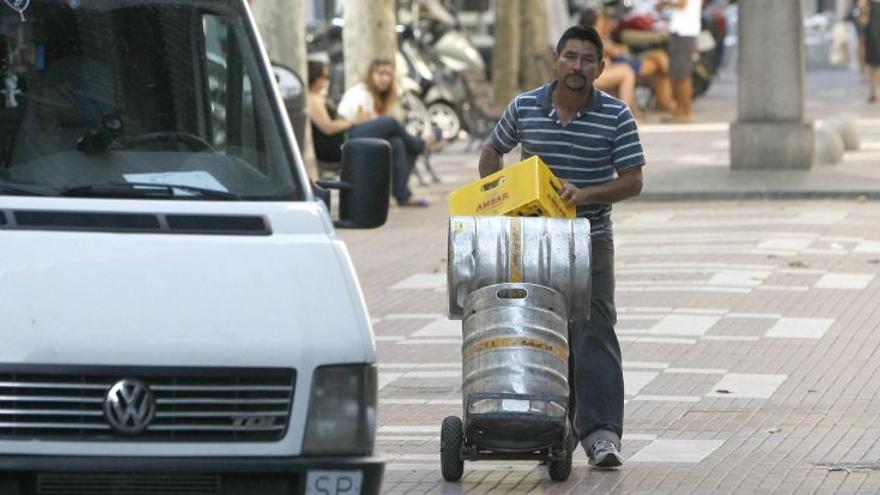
(103, 96)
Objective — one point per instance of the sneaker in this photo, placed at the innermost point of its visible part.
(604, 454)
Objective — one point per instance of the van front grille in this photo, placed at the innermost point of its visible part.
(191, 404)
(123, 222)
(141, 484)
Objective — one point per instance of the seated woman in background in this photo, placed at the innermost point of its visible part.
(651, 65)
(329, 132)
(620, 80)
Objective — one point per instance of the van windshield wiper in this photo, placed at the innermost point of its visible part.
(147, 190)
(12, 188)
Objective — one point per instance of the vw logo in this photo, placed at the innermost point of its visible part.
(129, 406)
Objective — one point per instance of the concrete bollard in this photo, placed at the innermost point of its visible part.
(829, 145)
(847, 127)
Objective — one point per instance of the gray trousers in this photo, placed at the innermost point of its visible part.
(595, 369)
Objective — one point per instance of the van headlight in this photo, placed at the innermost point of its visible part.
(342, 411)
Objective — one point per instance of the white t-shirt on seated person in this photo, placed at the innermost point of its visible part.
(354, 98)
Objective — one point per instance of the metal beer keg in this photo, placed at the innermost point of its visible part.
(515, 366)
(553, 252)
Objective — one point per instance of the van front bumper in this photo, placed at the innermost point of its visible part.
(28, 475)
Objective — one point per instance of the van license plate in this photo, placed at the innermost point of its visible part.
(334, 482)
(515, 405)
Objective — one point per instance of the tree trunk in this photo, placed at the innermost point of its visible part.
(282, 27)
(534, 57)
(368, 34)
(506, 51)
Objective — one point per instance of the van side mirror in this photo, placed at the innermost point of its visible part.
(293, 94)
(364, 184)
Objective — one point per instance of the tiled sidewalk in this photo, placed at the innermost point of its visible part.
(749, 339)
(749, 335)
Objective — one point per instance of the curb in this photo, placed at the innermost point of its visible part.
(754, 195)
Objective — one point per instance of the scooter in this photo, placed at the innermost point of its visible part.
(464, 67)
(436, 85)
(416, 119)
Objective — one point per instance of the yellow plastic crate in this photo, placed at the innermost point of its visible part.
(527, 189)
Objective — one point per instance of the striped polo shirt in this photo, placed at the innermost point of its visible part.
(600, 141)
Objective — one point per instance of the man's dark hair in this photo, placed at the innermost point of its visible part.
(582, 33)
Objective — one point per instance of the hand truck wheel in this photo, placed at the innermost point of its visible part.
(451, 440)
(560, 470)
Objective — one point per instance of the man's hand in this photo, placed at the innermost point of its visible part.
(571, 194)
(362, 116)
(628, 184)
(490, 160)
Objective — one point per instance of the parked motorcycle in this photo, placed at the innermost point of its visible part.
(436, 85)
(462, 65)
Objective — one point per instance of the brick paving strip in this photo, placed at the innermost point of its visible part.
(749, 335)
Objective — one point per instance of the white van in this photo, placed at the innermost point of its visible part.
(177, 314)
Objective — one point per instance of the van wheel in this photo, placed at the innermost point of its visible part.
(451, 438)
(560, 470)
